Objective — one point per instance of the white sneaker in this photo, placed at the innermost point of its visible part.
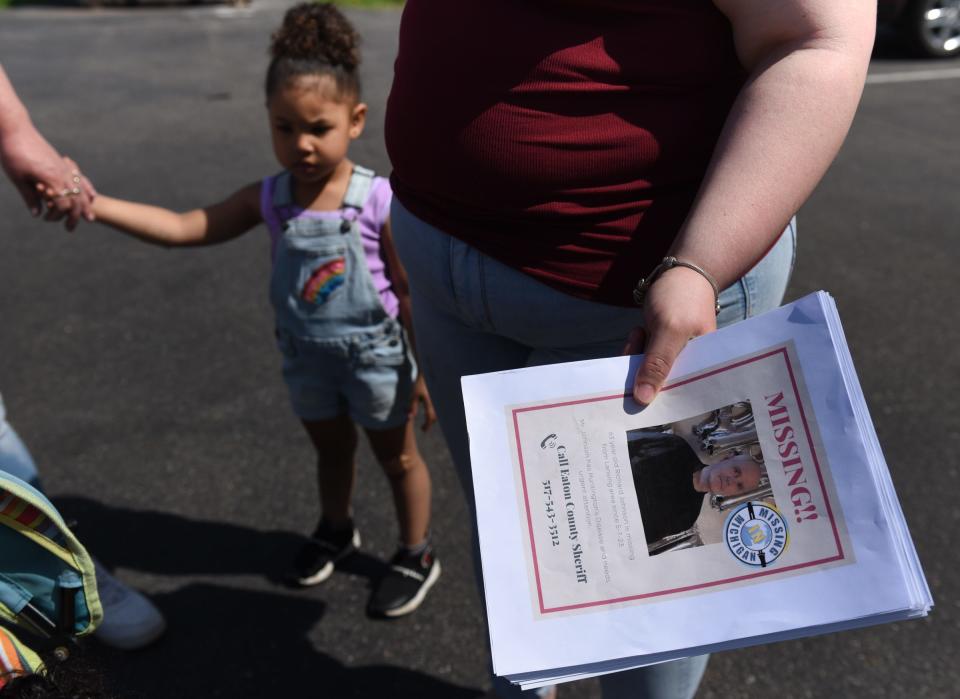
(130, 620)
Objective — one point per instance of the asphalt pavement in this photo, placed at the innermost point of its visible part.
(146, 381)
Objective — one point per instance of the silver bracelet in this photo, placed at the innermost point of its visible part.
(668, 262)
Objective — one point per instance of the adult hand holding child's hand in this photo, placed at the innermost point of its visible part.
(73, 201)
(38, 172)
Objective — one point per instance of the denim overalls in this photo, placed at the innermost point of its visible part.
(342, 350)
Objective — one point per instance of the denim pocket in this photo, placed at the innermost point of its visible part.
(307, 272)
(321, 272)
(388, 349)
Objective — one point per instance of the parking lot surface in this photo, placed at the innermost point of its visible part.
(147, 384)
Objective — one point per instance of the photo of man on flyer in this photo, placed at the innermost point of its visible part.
(674, 466)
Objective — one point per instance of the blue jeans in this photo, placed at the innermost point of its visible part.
(14, 457)
(369, 376)
(473, 315)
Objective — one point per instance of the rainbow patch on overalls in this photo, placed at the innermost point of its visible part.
(324, 281)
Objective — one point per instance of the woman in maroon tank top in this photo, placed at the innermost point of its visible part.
(563, 149)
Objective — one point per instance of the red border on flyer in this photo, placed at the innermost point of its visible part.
(620, 396)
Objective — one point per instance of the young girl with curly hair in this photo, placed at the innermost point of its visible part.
(339, 294)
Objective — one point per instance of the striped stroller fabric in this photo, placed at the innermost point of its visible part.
(47, 581)
(30, 516)
(15, 658)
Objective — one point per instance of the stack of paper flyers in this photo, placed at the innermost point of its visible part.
(749, 503)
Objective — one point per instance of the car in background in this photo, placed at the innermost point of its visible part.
(929, 27)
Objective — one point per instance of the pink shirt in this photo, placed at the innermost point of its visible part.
(370, 222)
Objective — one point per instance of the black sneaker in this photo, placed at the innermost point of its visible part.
(327, 547)
(405, 585)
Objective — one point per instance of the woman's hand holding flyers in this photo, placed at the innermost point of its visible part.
(677, 308)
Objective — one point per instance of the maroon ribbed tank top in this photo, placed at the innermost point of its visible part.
(565, 139)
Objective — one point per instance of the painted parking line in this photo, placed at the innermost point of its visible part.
(910, 76)
(239, 11)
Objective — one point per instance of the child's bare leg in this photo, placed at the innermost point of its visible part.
(336, 443)
(335, 537)
(414, 568)
(396, 450)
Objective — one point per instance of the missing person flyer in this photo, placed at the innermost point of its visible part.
(749, 501)
(727, 484)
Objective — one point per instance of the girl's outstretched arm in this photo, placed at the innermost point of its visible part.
(210, 225)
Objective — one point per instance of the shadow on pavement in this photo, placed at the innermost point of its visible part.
(169, 544)
(222, 641)
(226, 642)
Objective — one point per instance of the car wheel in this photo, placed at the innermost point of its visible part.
(933, 27)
